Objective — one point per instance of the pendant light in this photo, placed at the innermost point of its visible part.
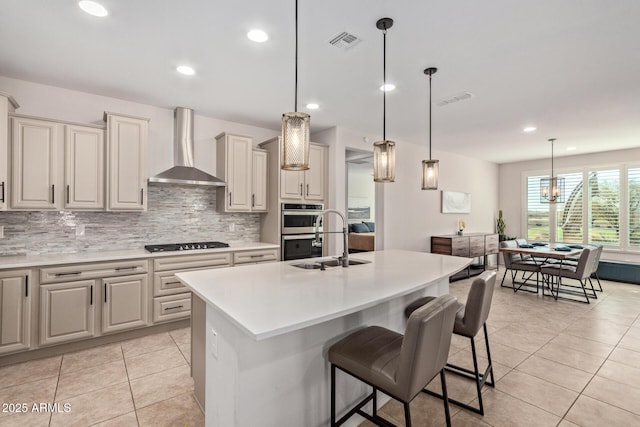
(384, 152)
(552, 189)
(295, 130)
(430, 167)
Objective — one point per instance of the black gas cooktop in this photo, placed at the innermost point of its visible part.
(185, 246)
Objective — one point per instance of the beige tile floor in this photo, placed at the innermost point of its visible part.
(140, 382)
(557, 363)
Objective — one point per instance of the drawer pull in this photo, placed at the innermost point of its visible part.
(73, 273)
(126, 268)
(256, 256)
(176, 282)
(174, 308)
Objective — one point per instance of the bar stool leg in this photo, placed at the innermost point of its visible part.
(445, 398)
(375, 402)
(407, 415)
(490, 369)
(333, 395)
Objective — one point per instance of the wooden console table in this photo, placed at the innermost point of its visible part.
(468, 245)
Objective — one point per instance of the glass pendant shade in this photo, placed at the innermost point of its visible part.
(430, 174)
(552, 190)
(384, 161)
(295, 141)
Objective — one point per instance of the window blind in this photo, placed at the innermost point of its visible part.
(569, 215)
(633, 185)
(537, 213)
(604, 207)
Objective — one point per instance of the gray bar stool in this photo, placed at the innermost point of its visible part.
(470, 318)
(399, 366)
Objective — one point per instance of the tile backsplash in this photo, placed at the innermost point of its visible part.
(175, 213)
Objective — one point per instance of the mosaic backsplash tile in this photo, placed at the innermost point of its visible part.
(175, 213)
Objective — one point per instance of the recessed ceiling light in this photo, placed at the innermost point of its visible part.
(388, 87)
(258, 36)
(93, 8)
(529, 129)
(313, 106)
(571, 148)
(186, 70)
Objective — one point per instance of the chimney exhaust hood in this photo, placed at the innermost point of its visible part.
(183, 171)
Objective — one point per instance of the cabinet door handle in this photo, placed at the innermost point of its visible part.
(253, 200)
(307, 189)
(67, 194)
(53, 193)
(301, 189)
(142, 196)
(26, 286)
(2, 185)
(91, 296)
(229, 198)
(173, 308)
(105, 292)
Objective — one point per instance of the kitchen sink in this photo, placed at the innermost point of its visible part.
(333, 262)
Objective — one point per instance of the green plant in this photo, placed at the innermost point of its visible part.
(500, 225)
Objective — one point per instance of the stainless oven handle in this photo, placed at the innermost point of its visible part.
(299, 237)
(302, 213)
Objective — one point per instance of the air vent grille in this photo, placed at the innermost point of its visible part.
(344, 40)
(453, 98)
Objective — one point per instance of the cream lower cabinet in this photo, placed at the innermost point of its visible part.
(15, 311)
(124, 302)
(67, 311)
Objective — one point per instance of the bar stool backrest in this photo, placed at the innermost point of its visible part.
(476, 309)
(425, 346)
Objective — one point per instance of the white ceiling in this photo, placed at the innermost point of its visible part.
(570, 67)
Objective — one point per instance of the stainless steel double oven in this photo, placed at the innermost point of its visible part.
(297, 232)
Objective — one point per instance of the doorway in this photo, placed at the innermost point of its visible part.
(360, 192)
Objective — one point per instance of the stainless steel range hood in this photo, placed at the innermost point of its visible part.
(183, 171)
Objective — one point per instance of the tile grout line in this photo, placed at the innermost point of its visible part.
(56, 390)
(135, 409)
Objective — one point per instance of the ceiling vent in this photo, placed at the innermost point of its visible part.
(344, 40)
(453, 98)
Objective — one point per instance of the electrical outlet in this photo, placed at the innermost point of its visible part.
(232, 226)
(80, 230)
(213, 343)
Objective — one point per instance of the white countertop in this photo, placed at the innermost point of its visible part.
(26, 261)
(270, 299)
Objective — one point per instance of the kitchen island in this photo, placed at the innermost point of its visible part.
(260, 334)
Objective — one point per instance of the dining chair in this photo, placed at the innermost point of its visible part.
(514, 263)
(554, 273)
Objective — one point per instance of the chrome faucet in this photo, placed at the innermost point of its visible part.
(345, 241)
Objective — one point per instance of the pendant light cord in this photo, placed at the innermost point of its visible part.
(384, 86)
(295, 105)
(430, 106)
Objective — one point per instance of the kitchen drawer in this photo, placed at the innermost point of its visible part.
(476, 246)
(92, 271)
(261, 255)
(186, 262)
(171, 307)
(166, 283)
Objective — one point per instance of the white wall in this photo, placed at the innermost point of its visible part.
(407, 216)
(512, 187)
(361, 189)
(71, 105)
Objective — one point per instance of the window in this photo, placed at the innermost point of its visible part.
(569, 215)
(537, 213)
(633, 180)
(604, 207)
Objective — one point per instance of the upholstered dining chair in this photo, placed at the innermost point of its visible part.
(514, 263)
(471, 317)
(554, 273)
(399, 366)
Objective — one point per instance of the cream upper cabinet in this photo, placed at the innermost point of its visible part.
(36, 151)
(316, 175)
(310, 184)
(234, 165)
(127, 139)
(84, 168)
(67, 311)
(7, 105)
(259, 181)
(15, 310)
(125, 301)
